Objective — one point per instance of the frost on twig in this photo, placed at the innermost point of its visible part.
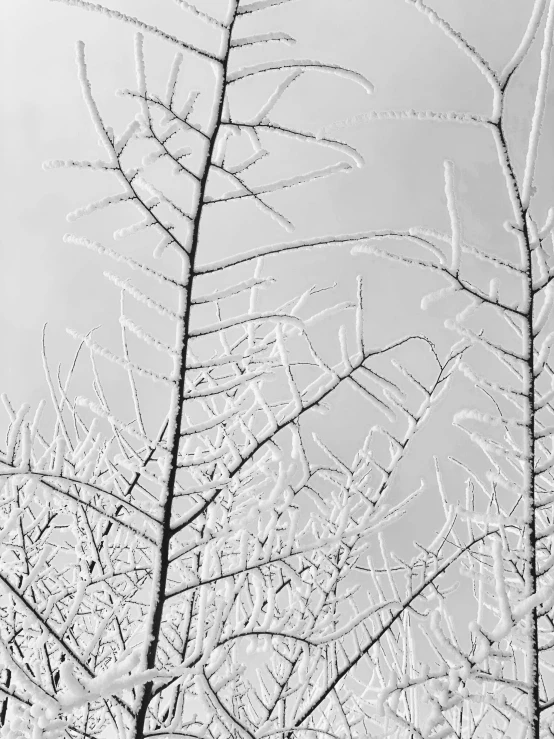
(202, 556)
(496, 666)
(179, 553)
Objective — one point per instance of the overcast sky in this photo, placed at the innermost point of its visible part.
(409, 61)
(411, 64)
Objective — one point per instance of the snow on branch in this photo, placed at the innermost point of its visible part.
(262, 38)
(281, 248)
(208, 576)
(117, 257)
(191, 8)
(460, 284)
(301, 64)
(482, 65)
(99, 205)
(454, 217)
(303, 136)
(526, 42)
(275, 96)
(140, 296)
(282, 184)
(539, 110)
(115, 14)
(257, 5)
(252, 317)
(91, 105)
(233, 290)
(408, 115)
(111, 357)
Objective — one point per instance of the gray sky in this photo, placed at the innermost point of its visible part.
(408, 60)
(411, 65)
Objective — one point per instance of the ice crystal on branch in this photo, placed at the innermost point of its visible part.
(196, 554)
(495, 674)
(190, 572)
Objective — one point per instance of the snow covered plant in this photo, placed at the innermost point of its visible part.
(194, 559)
(495, 674)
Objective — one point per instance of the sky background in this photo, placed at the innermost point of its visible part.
(411, 64)
(409, 61)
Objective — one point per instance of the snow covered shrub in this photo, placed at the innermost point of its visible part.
(191, 543)
(493, 674)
